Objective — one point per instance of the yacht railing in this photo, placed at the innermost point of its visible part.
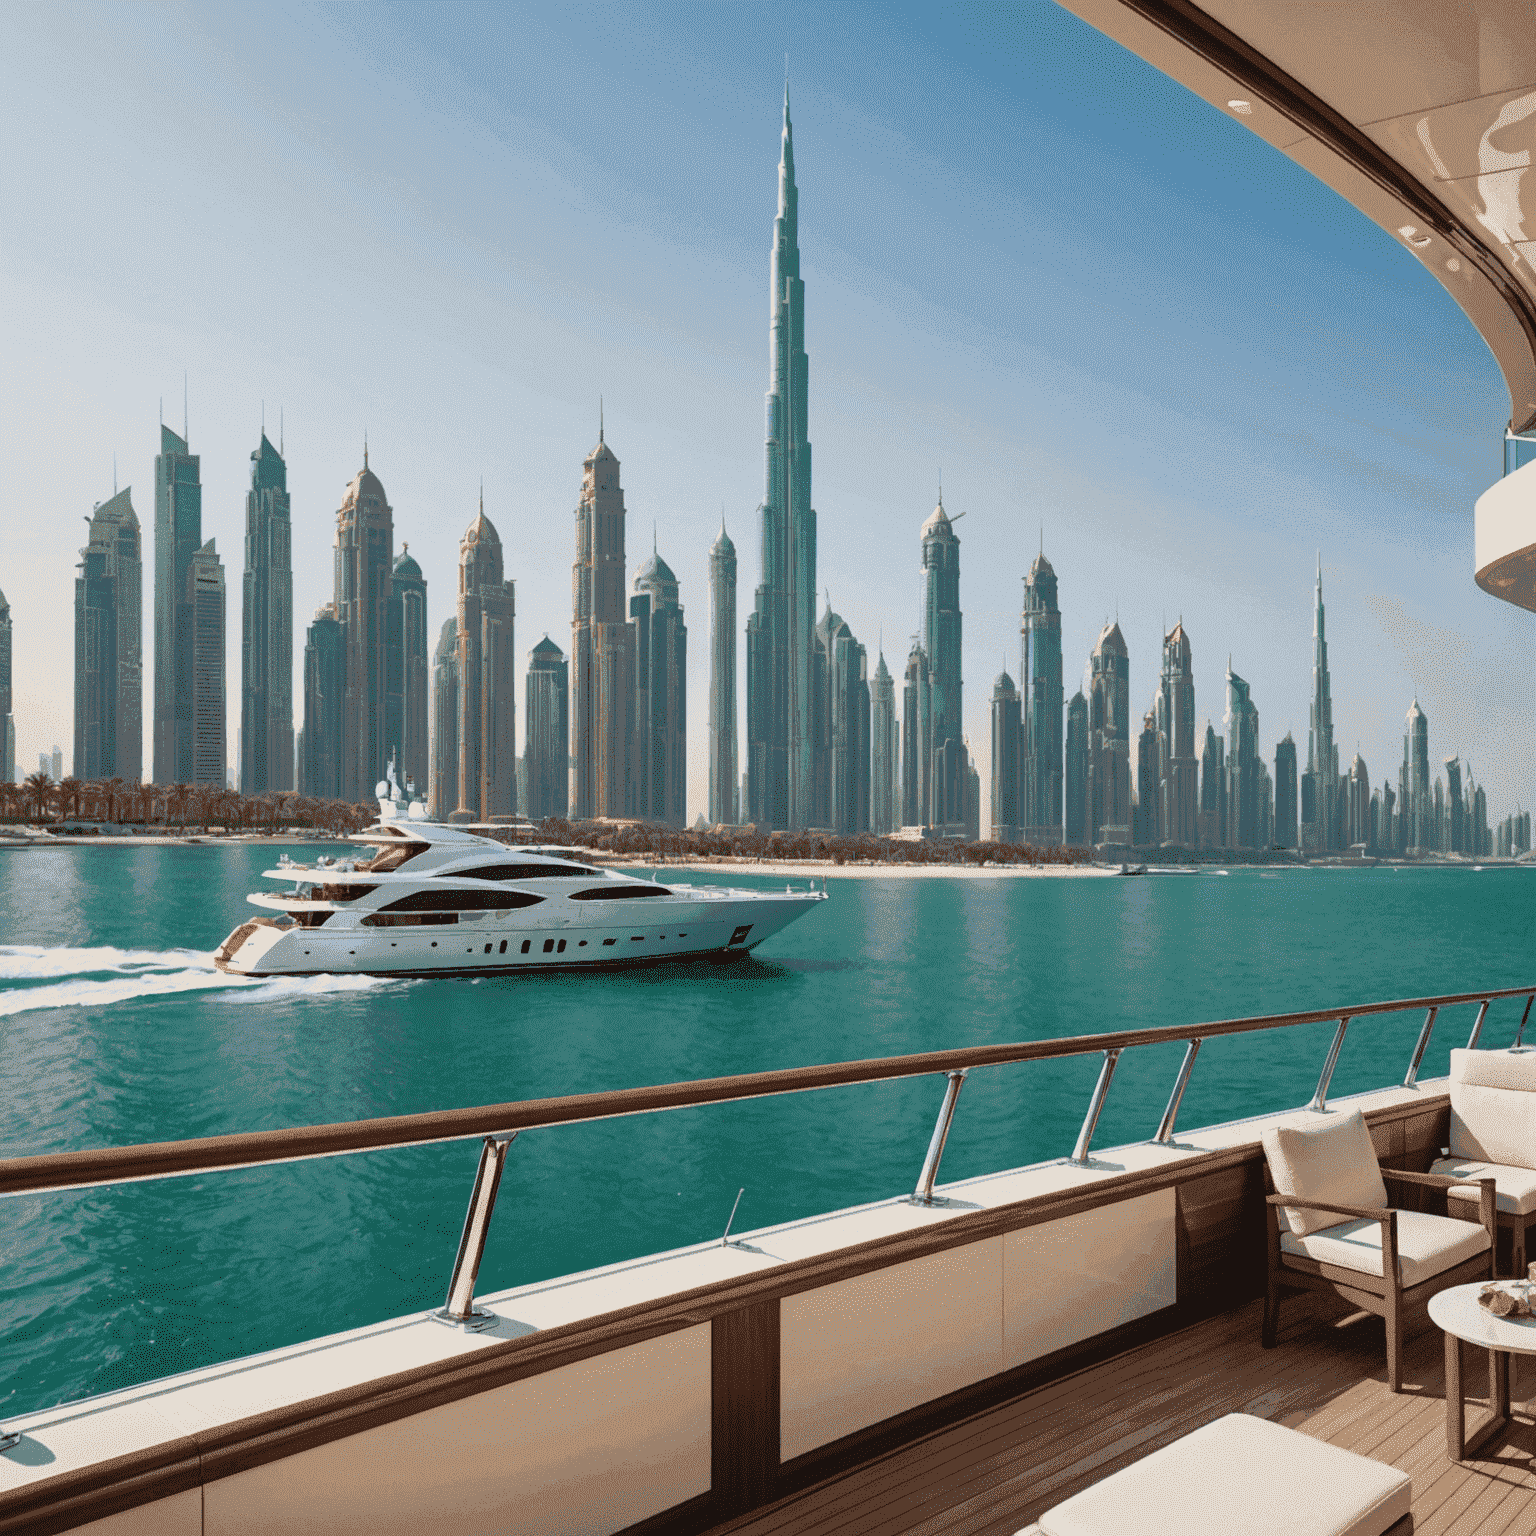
(498, 1124)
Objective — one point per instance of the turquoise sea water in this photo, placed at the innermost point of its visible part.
(115, 1029)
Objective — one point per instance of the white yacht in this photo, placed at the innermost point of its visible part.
(436, 900)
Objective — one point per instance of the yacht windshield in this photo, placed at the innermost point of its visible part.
(516, 872)
(392, 858)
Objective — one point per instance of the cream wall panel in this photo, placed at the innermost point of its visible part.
(580, 1451)
(1067, 1280)
(179, 1515)
(860, 1350)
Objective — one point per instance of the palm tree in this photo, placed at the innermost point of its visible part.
(176, 798)
(38, 788)
(68, 796)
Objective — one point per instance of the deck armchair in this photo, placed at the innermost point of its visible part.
(1329, 1228)
(1493, 1135)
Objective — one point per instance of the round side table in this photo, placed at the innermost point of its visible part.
(1457, 1314)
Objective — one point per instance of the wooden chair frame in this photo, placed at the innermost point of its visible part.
(1384, 1294)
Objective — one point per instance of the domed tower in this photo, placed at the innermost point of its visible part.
(723, 772)
(266, 651)
(1416, 765)
(406, 702)
(941, 626)
(1040, 763)
(365, 536)
(1007, 739)
(916, 739)
(1179, 806)
(884, 753)
(547, 733)
(487, 677)
(841, 764)
(660, 787)
(443, 798)
(1109, 738)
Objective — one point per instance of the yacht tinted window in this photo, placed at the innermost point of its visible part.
(392, 858)
(518, 872)
(617, 892)
(347, 892)
(461, 901)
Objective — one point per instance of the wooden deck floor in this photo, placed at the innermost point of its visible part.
(998, 1471)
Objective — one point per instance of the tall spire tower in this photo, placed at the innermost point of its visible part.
(781, 630)
(1320, 796)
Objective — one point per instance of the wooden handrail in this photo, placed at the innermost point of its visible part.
(166, 1159)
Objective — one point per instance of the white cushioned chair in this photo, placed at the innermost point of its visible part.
(1239, 1474)
(1493, 1134)
(1332, 1229)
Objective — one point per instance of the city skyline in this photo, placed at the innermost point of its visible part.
(1413, 624)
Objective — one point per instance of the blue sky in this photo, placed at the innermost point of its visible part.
(1096, 304)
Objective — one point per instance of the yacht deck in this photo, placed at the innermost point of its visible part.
(999, 1470)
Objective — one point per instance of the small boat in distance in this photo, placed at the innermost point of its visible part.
(436, 900)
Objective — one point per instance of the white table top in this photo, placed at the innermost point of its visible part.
(1456, 1311)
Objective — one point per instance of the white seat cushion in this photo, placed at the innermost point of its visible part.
(1334, 1161)
(1517, 1186)
(1493, 1107)
(1426, 1245)
(1240, 1475)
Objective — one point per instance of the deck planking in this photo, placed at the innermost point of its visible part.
(999, 1470)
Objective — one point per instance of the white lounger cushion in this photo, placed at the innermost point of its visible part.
(1334, 1162)
(1493, 1106)
(1517, 1186)
(1426, 1245)
(1239, 1476)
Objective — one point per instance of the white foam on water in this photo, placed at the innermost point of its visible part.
(269, 988)
(32, 962)
(84, 993)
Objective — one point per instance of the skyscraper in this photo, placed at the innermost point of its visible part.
(405, 669)
(885, 754)
(1109, 739)
(1242, 724)
(1360, 830)
(1147, 823)
(178, 538)
(1285, 792)
(916, 734)
(1007, 738)
(722, 679)
(1456, 840)
(1322, 829)
(7, 723)
(443, 784)
(1040, 769)
(109, 690)
(602, 646)
(841, 695)
(365, 540)
(659, 784)
(206, 605)
(781, 628)
(325, 692)
(266, 636)
(547, 733)
(487, 677)
(949, 797)
(1416, 756)
(1180, 769)
(1213, 790)
(1075, 774)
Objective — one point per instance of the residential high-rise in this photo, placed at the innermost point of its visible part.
(1265, 837)
(1146, 822)
(365, 538)
(1456, 833)
(406, 674)
(443, 783)
(487, 677)
(1360, 829)
(1179, 788)
(1418, 804)
(547, 733)
(781, 629)
(325, 692)
(206, 605)
(1285, 792)
(916, 734)
(1213, 790)
(266, 635)
(1320, 808)
(109, 689)
(1243, 764)
(1040, 767)
(178, 538)
(659, 783)
(1007, 738)
(722, 679)
(949, 795)
(7, 722)
(841, 693)
(885, 753)
(1109, 739)
(602, 647)
(1075, 773)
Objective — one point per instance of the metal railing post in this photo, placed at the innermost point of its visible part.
(923, 1194)
(1520, 1033)
(1320, 1098)
(1095, 1108)
(1477, 1027)
(460, 1306)
(1180, 1083)
(1419, 1049)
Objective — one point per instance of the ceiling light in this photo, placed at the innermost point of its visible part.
(1242, 108)
(1453, 265)
(1410, 233)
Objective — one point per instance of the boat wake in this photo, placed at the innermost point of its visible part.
(99, 977)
